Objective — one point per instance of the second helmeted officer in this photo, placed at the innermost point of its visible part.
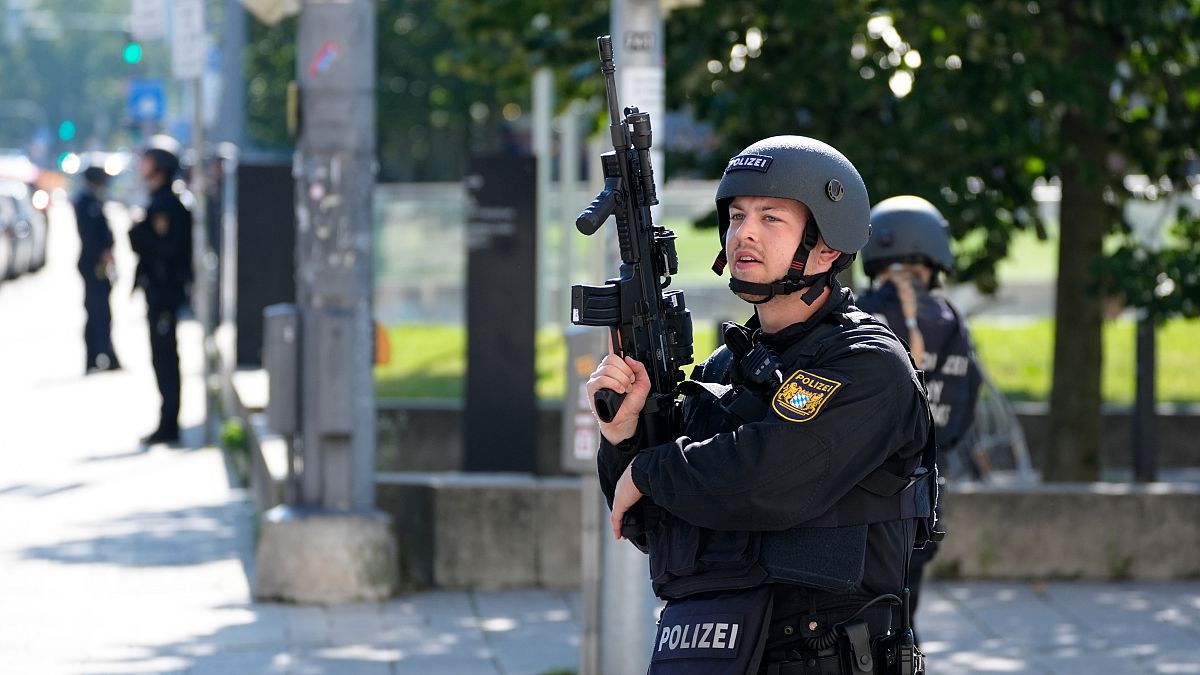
(906, 257)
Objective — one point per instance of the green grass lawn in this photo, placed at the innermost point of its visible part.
(1019, 357)
(428, 361)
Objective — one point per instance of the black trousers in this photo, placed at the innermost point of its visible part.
(921, 558)
(97, 331)
(164, 354)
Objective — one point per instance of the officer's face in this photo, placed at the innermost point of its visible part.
(146, 168)
(763, 235)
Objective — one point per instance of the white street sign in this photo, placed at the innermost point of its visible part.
(148, 19)
(188, 45)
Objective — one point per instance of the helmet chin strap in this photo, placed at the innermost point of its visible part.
(795, 281)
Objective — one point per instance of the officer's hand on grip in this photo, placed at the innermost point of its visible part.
(624, 376)
(625, 495)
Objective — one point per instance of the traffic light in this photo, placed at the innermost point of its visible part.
(132, 52)
(66, 130)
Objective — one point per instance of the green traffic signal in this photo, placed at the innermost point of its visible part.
(132, 53)
(66, 130)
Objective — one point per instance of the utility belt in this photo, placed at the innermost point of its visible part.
(889, 657)
(732, 632)
(862, 643)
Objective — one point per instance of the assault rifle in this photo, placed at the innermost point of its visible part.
(646, 322)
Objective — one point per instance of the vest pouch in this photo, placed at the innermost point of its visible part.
(686, 559)
(674, 550)
(681, 549)
(721, 548)
(712, 633)
(827, 558)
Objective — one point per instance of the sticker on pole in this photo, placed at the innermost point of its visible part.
(324, 59)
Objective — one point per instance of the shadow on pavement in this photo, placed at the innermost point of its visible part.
(190, 536)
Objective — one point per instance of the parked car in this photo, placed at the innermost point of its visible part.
(19, 236)
(29, 227)
(6, 250)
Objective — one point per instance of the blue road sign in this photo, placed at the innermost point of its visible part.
(147, 100)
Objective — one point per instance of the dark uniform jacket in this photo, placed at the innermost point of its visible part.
(952, 375)
(163, 242)
(769, 496)
(95, 237)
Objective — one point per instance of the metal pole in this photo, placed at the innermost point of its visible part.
(233, 75)
(1145, 462)
(548, 268)
(335, 178)
(201, 285)
(593, 510)
(229, 253)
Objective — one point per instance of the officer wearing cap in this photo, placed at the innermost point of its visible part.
(790, 503)
(96, 265)
(163, 243)
(905, 258)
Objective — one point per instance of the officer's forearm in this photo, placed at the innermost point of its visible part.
(611, 461)
(767, 477)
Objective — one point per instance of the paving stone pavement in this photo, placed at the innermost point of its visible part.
(115, 559)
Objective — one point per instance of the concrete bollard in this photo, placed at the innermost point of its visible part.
(319, 556)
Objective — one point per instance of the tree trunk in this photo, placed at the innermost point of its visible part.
(1074, 453)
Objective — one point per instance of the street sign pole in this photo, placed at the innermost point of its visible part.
(335, 178)
(353, 556)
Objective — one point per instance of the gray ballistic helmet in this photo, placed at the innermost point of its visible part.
(907, 229)
(811, 172)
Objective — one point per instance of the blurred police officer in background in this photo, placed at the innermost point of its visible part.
(163, 242)
(905, 258)
(792, 499)
(96, 267)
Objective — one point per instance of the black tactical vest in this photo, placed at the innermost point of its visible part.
(827, 553)
(952, 376)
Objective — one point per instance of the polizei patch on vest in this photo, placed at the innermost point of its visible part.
(802, 396)
(749, 163)
(698, 636)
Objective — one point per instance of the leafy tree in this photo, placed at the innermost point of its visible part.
(505, 42)
(270, 66)
(430, 120)
(57, 66)
(434, 107)
(968, 104)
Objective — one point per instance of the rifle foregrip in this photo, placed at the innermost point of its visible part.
(596, 213)
(608, 402)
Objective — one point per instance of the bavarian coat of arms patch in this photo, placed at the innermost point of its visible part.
(802, 396)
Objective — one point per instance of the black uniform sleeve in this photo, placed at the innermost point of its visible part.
(141, 238)
(167, 254)
(181, 227)
(79, 204)
(611, 461)
(777, 474)
(103, 232)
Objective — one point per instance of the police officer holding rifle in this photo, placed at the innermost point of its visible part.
(780, 491)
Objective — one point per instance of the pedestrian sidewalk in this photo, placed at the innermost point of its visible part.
(117, 560)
